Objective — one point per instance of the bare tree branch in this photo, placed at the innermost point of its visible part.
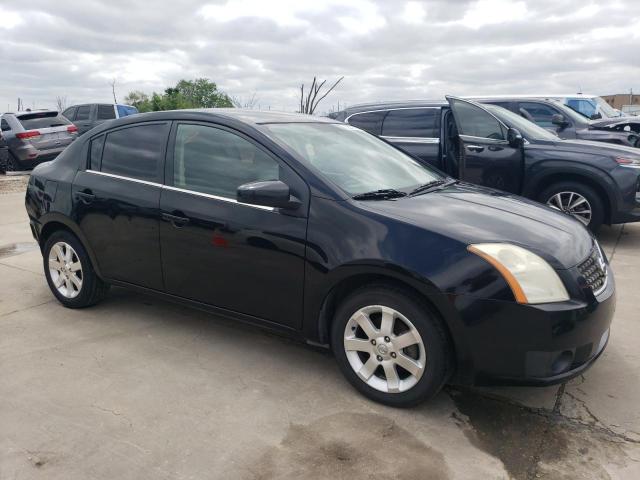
(327, 93)
(310, 101)
(113, 90)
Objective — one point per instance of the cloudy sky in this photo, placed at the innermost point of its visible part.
(385, 49)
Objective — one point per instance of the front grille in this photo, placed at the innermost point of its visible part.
(594, 271)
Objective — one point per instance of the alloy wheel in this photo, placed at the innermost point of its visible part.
(384, 349)
(572, 203)
(65, 269)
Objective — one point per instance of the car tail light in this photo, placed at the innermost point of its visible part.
(72, 129)
(29, 134)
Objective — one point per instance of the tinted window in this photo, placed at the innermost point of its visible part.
(69, 113)
(33, 121)
(583, 107)
(4, 125)
(106, 112)
(136, 152)
(96, 152)
(476, 122)
(413, 122)
(217, 162)
(83, 113)
(369, 121)
(539, 112)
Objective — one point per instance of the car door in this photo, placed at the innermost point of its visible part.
(487, 157)
(83, 119)
(243, 258)
(542, 114)
(117, 199)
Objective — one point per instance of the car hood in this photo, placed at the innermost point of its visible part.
(611, 122)
(472, 214)
(598, 148)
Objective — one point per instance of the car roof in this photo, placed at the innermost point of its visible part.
(372, 106)
(258, 117)
(532, 96)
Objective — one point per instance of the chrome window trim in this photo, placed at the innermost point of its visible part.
(430, 140)
(388, 110)
(121, 177)
(473, 138)
(216, 197)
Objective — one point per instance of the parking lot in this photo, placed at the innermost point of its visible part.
(138, 387)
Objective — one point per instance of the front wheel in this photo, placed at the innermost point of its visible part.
(69, 272)
(390, 346)
(578, 200)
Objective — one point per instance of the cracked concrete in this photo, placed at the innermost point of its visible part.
(140, 388)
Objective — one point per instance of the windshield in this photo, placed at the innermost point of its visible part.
(529, 130)
(354, 160)
(126, 110)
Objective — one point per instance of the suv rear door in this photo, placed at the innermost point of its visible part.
(52, 128)
(487, 157)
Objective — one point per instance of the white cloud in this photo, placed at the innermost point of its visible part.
(490, 12)
(9, 19)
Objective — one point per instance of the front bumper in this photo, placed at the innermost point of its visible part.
(512, 344)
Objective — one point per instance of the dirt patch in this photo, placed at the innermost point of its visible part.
(536, 444)
(13, 183)
(351, 446)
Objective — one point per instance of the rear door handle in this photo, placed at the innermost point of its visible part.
(175, 220)
(85, 197)
(475, 148)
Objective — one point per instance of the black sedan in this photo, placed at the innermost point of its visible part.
(318, 229)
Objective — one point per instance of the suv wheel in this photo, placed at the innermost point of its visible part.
(578, 200)
(12, 164)
(390, 346)
(69, 272)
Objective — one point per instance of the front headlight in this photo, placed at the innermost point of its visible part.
(531, 279)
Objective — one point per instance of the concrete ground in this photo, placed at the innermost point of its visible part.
(138, 388)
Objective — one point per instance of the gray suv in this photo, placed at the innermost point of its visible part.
(89, 115)
(34, 137)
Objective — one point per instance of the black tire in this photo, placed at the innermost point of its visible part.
(93, 289)
(12, 164)
(438, 364)
(594, 199)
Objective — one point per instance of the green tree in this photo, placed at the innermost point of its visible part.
(198, 93)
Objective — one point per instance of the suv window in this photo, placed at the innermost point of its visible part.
(412, 122)
(368, 121)
(476, 122)
(106, 112)
(33, 121)
(217, 162)
(70, 113)
(540, 112)
(4, 125)
(136, 152)
(83, 113)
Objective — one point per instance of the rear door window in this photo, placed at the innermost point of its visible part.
(412, 122)
(539, 112)
(368, 121)
(476, 122)
(83, 113)
(36, 120)
(136, 152)
(106, 112)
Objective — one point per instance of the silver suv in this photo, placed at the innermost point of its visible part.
(34, 137)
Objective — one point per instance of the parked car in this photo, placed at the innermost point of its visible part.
(89, 115)
(4, 153)
(488, 145)
(320, 230)
(34, 137)
(568, 123)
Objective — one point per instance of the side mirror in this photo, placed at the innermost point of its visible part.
(559, 120)
(595, 116)
(514, 137)
(271, 193)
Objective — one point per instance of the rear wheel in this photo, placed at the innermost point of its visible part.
(69, 272)
(578, 200)
(12, 164)
(390, 346)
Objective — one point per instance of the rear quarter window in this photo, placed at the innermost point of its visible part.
(136, 152)
(34, 121)
(412, 122)
(95, 153)
(368, 121)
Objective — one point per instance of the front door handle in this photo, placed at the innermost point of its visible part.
(175, 220)
(85, 197)
(475, 148)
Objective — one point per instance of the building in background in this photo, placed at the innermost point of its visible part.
(626, 102)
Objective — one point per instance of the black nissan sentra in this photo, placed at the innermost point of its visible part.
(318, 229)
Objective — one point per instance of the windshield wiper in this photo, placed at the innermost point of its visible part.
(427, 186)
(383, 194)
